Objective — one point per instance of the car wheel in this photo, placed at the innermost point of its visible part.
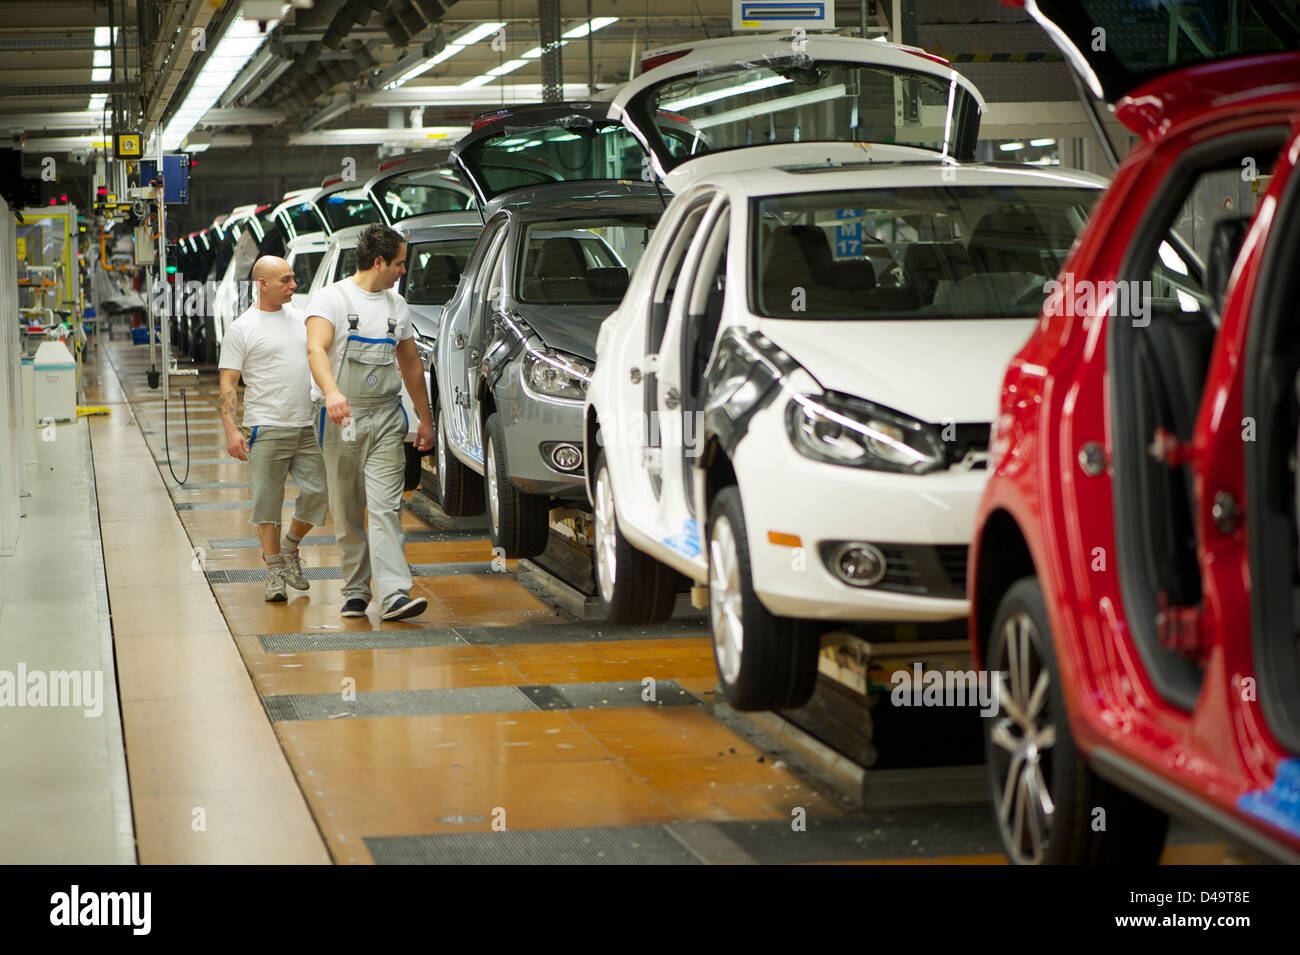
(634, 587)
(764, 662)
(412, 478)
(520, 522)
(1051, 808)
(460, 492)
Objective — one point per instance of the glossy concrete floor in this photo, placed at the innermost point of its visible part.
(492, 729)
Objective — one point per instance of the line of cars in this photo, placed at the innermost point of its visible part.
(755, 310)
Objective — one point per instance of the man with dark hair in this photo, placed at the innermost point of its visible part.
(360, 345)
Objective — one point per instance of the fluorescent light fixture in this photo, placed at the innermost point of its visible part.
(590, 26)
(508, 67)
(535, 52)
(1042, 142)
(477, 81)
(103, 58)
(219, 70)
(1010, 147)
(460, 41)
(100, 75)
(103, 37)
(701, 98)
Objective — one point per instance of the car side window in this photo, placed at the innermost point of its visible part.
(666, 281)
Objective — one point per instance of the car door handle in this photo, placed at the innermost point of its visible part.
(671, 399)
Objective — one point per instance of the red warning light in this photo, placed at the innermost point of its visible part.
(63, 198)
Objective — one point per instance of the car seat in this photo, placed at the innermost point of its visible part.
(1009, 241)
(800, 257)
(559, 272)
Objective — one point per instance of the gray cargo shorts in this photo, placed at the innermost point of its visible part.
(273, 454)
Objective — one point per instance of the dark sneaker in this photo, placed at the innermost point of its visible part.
(293, 571)
(275, 584)
(356, 607)
(404, 607)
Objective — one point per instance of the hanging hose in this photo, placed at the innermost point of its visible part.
(167, 438)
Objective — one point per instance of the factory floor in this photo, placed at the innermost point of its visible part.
(493, 728)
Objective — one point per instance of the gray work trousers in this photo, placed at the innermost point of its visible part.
(368, 473)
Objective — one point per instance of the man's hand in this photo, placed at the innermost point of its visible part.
(336, 406)
(236, 446)
(424, 435)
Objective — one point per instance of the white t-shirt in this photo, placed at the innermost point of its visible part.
(373, 309)
(270, 350)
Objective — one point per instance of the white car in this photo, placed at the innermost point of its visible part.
(792, 403)
(304, 255)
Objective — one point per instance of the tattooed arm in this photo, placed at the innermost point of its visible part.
(236, 446)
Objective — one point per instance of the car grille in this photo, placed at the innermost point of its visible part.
(938, 571)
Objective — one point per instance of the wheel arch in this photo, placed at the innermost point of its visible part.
(1002, 556)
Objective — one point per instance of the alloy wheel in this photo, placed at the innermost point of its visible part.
(725, 617)
(494, 505)
(1022, 737)
(441, 443)
(606, 537)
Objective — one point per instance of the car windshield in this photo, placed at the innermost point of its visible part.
(792, 100)
(304, 268)
(581, 261)
(585, 150)
(353, 207)
(433, 270)
(304, 218)
(912, 252)
(418, 193)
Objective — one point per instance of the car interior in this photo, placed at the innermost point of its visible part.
(1159, 360)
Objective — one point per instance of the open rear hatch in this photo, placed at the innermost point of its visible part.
(726, 95)
(529, 146)
(1117, 46)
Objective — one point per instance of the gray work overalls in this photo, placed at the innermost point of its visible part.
(368, 470)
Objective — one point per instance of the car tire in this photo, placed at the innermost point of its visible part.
(460, 490)
(764, 662)
(633, 586)
(519, 522)
(411, 480)
(1051, 809)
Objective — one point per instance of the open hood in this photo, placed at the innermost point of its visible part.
(738, 92)
(1118, 46)
(567, 328)
(528, 146)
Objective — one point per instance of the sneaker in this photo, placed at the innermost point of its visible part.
(293, 571)
(356, 607)
(404, 607)
(275, 584)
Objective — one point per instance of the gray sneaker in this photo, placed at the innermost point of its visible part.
(275, 584)
(293, 571)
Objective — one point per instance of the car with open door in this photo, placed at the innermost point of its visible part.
(791, 405)
(564, 231)
(1134, 570)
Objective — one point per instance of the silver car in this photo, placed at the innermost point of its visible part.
(564, 230)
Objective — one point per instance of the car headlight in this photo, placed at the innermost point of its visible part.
(855, 433)
(424, 346)
(552, 373)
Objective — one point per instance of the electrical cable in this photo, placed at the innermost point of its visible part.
(167, 438)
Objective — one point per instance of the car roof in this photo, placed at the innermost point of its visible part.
(547, 201)
(784, 180)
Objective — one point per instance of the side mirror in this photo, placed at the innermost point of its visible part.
(1225, 244)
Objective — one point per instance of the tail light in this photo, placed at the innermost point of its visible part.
(659, 59)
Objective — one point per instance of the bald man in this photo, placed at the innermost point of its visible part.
(268, 346)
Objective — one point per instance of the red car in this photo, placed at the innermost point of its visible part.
(1134, 577)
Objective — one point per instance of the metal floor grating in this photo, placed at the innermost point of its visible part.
(212, 485)
(591, 631)
(632, 845)
(595, 696)
(371, 704)
(224, 505)
(178, 457)
(405, 639)
(258, 574)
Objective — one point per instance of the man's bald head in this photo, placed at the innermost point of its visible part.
(275, 282)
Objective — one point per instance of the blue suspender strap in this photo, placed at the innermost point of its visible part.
(320, 431)
(253, 437)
